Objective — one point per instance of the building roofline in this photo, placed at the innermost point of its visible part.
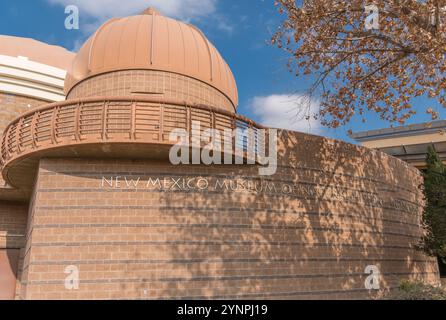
(407, 130)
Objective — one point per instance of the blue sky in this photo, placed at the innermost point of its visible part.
(239, 29)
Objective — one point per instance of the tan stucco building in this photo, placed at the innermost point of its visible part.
(90, 193)
(409, 142)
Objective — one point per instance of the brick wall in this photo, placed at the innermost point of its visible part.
(151, 83)
(309, 231)
(12, 224)
(13, 219)
(13, 106)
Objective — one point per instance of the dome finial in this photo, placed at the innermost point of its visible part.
(150, 11)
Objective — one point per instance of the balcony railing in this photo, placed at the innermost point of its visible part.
(97, 120)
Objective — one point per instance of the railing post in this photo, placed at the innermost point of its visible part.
(17, 134)
(4, 152)
(133, 122)
(104, 120)
(161, 129)
(234, 134)
(33, 128)
(76, 121)
(6, 143)
(53, 125)
(189, 123)
(213, 121)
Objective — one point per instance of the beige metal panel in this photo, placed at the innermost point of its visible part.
(128, 43)
(142, 46)
(36, 51)
(160, 42)
(190, 49)
(205, 63)
(409, 140)
(112, 43)
(79, 68)
(176, 47)
(217, 66)
(96, 57)
(227, 75)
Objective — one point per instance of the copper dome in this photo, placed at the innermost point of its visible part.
(150, 41)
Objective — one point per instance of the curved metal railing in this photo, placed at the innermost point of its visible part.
(118, 119)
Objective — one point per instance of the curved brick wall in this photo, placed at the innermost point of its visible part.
(151, 83)
(13, 219)
(14, 105)
(309, 231)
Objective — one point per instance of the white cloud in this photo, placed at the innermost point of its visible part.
(223, 24)
(102, 10)
(293, 112)
(77, 45)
